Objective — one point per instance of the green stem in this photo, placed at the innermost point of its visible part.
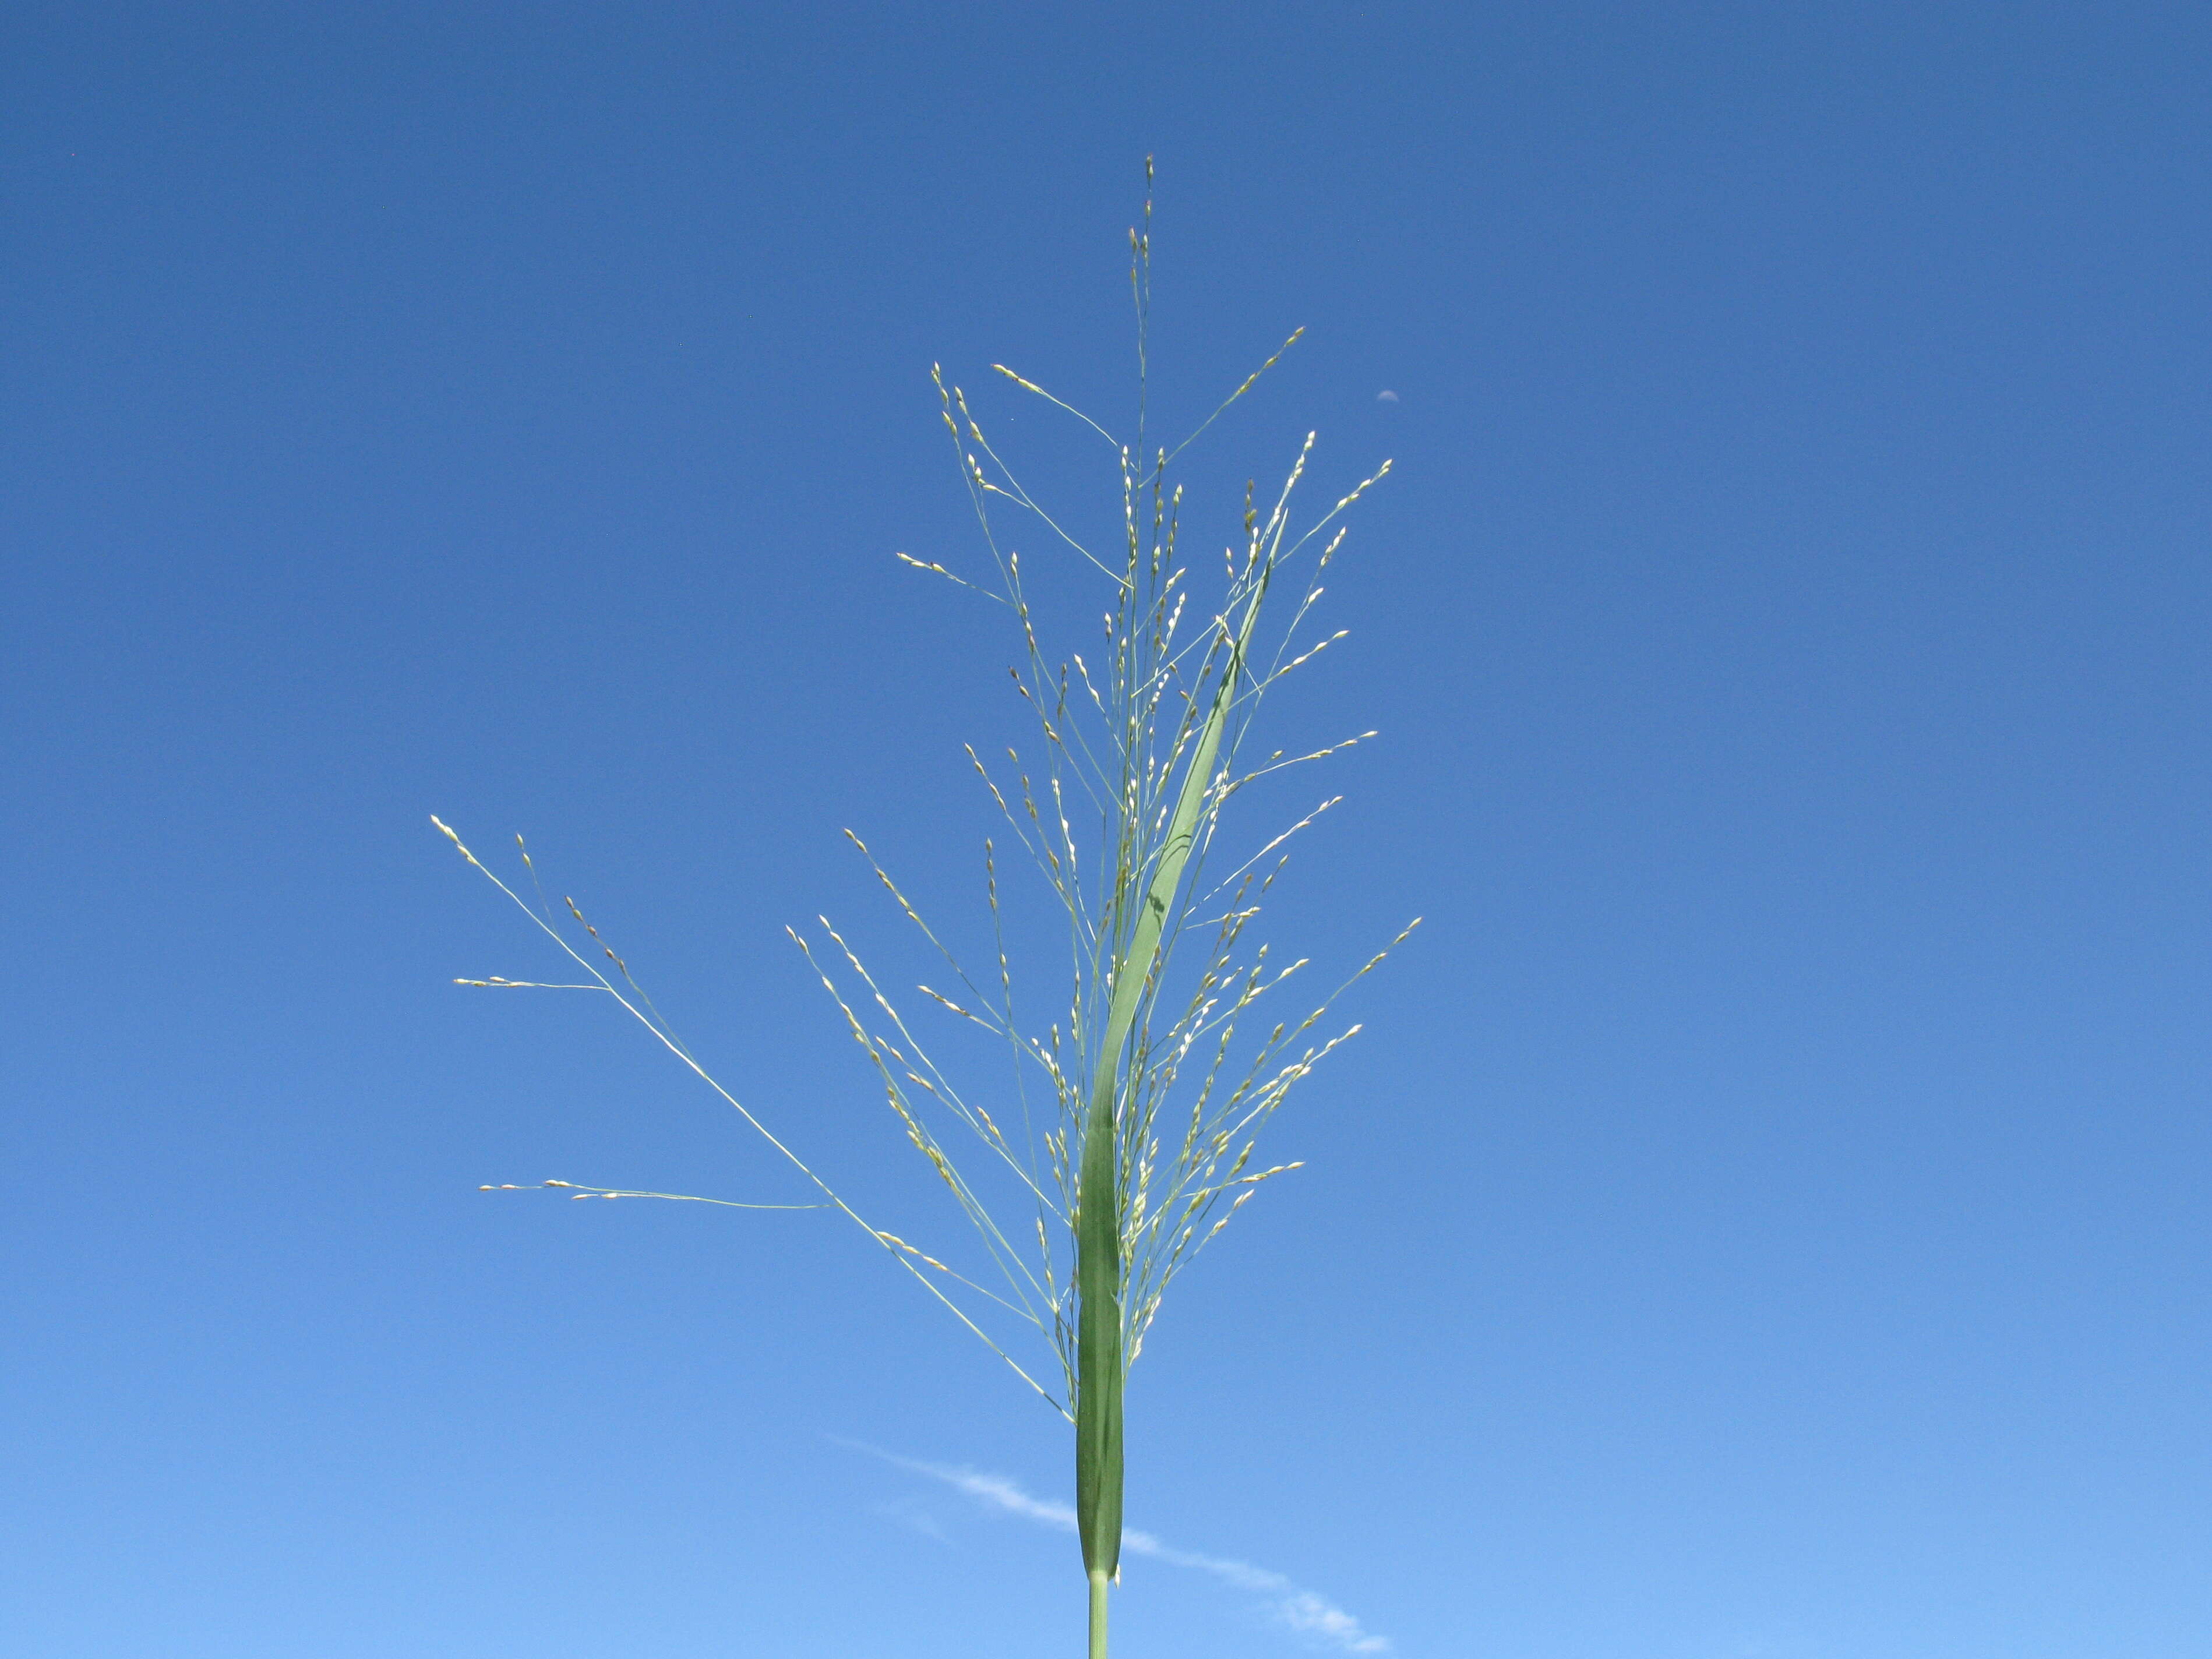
(1099, 1361)
(1098, 1615)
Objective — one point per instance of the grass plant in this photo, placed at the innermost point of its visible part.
(1161, 1058)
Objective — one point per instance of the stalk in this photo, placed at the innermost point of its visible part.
(1098, 1615)
(1099, 1359)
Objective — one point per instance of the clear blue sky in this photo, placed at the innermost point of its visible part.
(1764, 1217)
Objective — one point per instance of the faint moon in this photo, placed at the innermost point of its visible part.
(1386, 397)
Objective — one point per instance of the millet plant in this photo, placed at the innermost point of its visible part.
(1161, 1064)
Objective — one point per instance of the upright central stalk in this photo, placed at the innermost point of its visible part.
(1098, 1354)
(1098, 1357)
(1098, 1615)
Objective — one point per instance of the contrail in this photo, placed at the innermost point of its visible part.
(1302, 1610)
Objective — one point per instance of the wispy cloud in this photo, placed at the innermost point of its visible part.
(1301, 1610)
(912, 1517)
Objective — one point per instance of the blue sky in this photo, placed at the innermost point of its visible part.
(1762, 1217)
